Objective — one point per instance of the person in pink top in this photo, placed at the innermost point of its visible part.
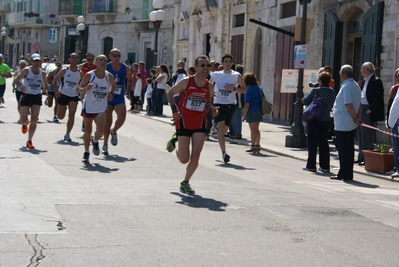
(130, 93)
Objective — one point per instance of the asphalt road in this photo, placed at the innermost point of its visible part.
(126, 209)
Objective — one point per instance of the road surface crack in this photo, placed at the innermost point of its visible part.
(37, 249)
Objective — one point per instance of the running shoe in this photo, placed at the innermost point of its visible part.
(55, 119)
(105, 149)
(114, 138)
(24, 128)
(96, 148)
(85, 158)
(226, 158)
(67, 138)
(83, 126)
(186, 188)
(29, 144)
(171, 145)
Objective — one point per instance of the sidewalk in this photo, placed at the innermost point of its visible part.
(273, 141)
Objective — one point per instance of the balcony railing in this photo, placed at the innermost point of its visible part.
(70, 7)
(102, 6)
(5, 6)
(18, 18)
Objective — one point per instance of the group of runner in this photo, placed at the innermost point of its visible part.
(101, 87)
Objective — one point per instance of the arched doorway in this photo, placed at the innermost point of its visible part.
(108, 45)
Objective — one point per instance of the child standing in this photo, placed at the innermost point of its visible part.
(148, 95)
(137, 93)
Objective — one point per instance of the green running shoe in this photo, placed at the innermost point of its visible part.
(170, 146)
(186, 188)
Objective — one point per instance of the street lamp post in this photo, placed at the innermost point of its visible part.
(3, 36)
(297, 137)
(80, 28)
(157, 16)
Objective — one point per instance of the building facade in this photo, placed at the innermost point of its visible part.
(32, 26)
(341, 32)
(123, 24)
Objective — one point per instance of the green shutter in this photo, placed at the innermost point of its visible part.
(372, 35)
(145, 10)
(38, 7)
(78, 7)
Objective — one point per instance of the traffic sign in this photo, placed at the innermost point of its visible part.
(300, 56)
(36, 46)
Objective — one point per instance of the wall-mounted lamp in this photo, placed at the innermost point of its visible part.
(128, 10)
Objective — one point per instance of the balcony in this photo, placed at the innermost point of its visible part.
(5, 7)
(18, 19)
(102, 8)
(70, 8)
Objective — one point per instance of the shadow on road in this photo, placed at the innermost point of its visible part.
(117, 158)
(51, 121)
(72, 143)
(233, 166)
(32, 151)
(196, 201)
(360, 184)
(95, 167)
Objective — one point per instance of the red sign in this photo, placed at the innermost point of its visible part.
(36, 46)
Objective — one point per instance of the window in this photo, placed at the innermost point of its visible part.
(145, 14)
(239, 20)
(288, 10)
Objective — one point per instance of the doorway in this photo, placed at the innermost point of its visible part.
(353, 56)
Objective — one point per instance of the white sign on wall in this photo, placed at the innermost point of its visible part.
(289, 80)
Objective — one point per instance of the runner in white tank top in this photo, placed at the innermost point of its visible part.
(34, 81)
(99, 86)
(67, 93)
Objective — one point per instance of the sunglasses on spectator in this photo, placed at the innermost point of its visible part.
(205, 65)
(115, 55)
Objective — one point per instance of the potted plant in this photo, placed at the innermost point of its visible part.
(39, 20)
(378, 159)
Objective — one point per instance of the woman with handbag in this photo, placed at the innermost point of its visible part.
(317, 130)
(252, 111)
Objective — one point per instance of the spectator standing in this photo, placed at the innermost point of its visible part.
(161, 80)
(317, 130)
(236, 122)
(372, 108)
(148, 95)
(347, 111)
(143, 74)
(137, 93)
(130, 93)
(393, 122)
(252, 112)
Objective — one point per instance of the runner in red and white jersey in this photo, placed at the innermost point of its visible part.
(191, 118)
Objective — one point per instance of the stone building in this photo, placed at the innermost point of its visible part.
(31, 27)
(123, 24)
(341, 32)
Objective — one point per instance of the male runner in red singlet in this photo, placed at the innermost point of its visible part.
(191, 117)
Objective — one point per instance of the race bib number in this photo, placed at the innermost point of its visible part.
(195, 103)
(99, 92)
(70, 85)
(118, 90)
(224, 93)
(35, 88)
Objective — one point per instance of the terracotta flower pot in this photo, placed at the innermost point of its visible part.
(378, 162)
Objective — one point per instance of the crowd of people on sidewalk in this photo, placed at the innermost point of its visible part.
(209, 96)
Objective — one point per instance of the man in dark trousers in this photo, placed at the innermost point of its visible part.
(372, 102)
